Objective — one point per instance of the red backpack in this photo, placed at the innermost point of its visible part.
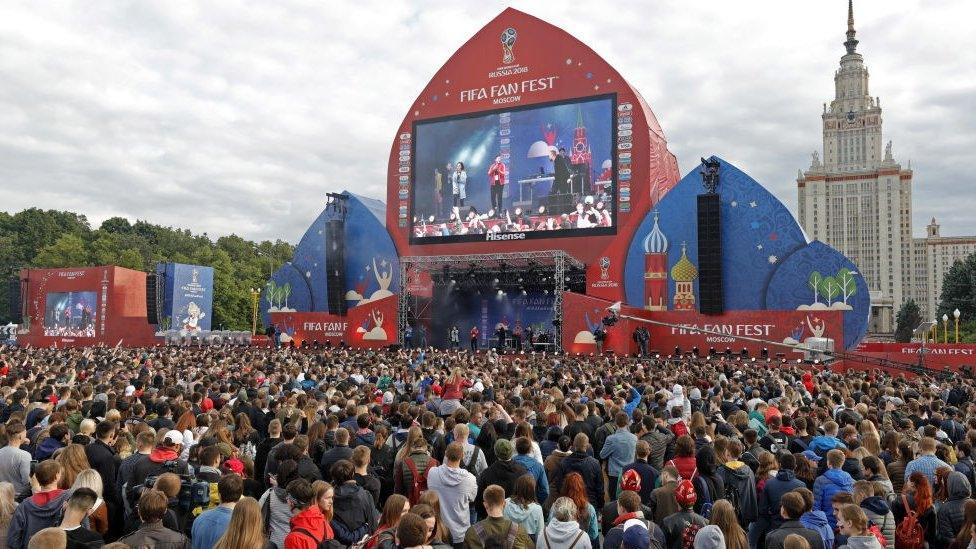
(418, 480)
(909, 534)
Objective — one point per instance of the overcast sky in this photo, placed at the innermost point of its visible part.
(237, 117)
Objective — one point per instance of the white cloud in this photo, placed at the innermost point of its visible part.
(232, 116)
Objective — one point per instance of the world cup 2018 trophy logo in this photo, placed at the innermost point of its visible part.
(604, 267)
(508, 41)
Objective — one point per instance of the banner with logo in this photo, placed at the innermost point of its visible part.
(940, 356)
(370, 325)
(777, 331)
(187, 296)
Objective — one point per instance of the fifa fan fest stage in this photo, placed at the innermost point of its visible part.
(529, 188)
(532, 204)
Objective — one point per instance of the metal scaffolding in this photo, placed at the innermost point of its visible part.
(558, 259)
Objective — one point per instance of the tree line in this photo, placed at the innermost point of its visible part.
(49, 238)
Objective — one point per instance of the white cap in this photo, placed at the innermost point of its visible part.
(130, 390)
(174, 437)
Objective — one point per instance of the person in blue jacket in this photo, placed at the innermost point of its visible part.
(816, 520)
(833, 481)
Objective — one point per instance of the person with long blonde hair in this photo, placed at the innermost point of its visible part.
(246, 527)
(8, 504)
(414, 436)
(98, 515)
(433, 500)
(73, 461)
(723, 515)
(853, 523)
(324, 496)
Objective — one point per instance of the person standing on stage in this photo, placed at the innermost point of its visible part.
(455, 337)
(497, 174)
(517, 335)
(500, 334)
(408, 336)
(528, 338)
(560, 195)
(474, 338)
(459, 182)
(641, 336)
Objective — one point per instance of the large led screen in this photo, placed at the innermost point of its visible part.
(535, 172)
(70, 314)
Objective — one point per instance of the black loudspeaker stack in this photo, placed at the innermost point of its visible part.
(152, 298)
(709, 255)
(335, 265)
(13, 312)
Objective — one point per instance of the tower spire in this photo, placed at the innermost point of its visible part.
(851, 43)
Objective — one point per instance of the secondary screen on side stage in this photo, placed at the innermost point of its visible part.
(70, 314)
(535, 172)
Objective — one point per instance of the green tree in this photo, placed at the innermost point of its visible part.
(131, 259)
(67, 251)
(116, 225)
(959, 290)
(909, 317)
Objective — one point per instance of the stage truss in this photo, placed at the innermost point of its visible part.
(412, 266)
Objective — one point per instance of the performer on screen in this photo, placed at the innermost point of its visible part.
(560, 195)
(459, 180)
(438, 189)
(455, 337)
(497, 174)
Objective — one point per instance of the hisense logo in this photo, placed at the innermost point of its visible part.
(504, 236)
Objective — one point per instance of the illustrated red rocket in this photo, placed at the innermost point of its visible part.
(655, 269)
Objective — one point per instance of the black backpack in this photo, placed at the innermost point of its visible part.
(319, 543)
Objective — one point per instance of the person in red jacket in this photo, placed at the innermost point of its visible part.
(684, 459)
(497, 174)
(308, 526)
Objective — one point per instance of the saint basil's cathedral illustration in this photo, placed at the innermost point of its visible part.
(683, 273)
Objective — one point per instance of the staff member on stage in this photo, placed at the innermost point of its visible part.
(455, 337)
(497, 174)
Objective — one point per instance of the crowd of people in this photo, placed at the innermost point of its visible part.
(245, 447)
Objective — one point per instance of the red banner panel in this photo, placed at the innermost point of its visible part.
(371, 325)
(775, 330)
(941, 356)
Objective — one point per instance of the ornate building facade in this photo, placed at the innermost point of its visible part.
(859, 199)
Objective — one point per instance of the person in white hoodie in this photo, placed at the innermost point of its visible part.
(563, 532)
(678, 398)
(456, 489)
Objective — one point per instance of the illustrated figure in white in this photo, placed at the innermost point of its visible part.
(377, 333)
(193, 316)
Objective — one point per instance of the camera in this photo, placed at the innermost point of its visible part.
(193, 492)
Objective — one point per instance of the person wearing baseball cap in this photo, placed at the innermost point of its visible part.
(674, 525)
(165, 458)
